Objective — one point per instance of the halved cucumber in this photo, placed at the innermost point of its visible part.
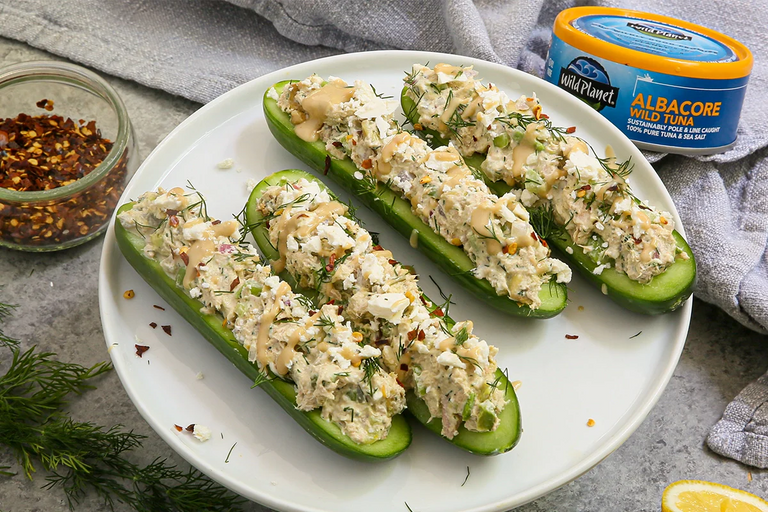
(501, 440)
(665, 292)
(283, 392)
(397, 212)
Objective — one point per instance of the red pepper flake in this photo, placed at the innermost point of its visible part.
(190, 428)
(643, 207)
(184, 257)
(366, 164)
(404, 367)
(140, 349)
(171, 213)
(337, 144)
(570, 129)
(179, 428)
(327, 165)
(393, 262)
(422, 334)
(378, 248)
(331, 262)
(234, 284)
(544, 242)
(173, 221)
(543, 116)
(153, 325)
(399, 383)
(412, 335)
(331, 302)
(45, 103)
(161, 308)
(339, 309)
(312, 312)
(587, 187)
(45, 152)
(533, 235)
(613, 188)
(166, 329)
(438, 312)
(637, 241)
(571, 336)
(423, 300)
(216, 222)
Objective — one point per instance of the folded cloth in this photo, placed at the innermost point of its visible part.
(742, 434)
(204, 48)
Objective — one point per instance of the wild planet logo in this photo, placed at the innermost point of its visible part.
(661, 33)
(586, 79)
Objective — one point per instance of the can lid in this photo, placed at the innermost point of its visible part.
(653, 42)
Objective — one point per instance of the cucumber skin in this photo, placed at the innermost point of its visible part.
(501, 440)
(397, 212)
(210, 326)
(661, 295)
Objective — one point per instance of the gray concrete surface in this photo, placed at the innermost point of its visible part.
(58, 311)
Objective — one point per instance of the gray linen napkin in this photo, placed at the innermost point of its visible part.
(742, 434)
(203, 48)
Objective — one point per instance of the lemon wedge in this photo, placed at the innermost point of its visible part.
(700, 496)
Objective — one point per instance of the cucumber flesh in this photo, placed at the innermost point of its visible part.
(283, 392)
(501, 440)
(397, 212)
(665, 292)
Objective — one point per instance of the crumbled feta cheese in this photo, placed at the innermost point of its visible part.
(312, 245)
(448, 358)
(195, 292)
(227, 163)
(250, 185)
(202, 433)
(569, 249)
(358, 175)
(291, 244)
(272, 281)
(195, 231)
(272, 94)
(369, 351)
(389, 306)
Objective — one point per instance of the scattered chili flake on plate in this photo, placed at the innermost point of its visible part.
(153, 325)
(166, 329)
(161, 308)
(571, 336)
(179, 428)
(140, 349)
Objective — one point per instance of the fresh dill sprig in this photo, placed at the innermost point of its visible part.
(81, 457)
(515, 119)
(370, 367)
(382, 96)
(542, 219)
(6, 310)
(261, 378)
(200, 204)
(461, 337)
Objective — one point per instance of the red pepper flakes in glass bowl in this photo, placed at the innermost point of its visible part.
(67, 150)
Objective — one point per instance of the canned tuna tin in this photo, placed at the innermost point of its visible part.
(669, 85)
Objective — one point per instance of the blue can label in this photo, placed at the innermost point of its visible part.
(651, 107)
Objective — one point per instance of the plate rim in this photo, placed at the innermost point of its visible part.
(604, 448)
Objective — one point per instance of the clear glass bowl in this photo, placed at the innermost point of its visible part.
(69, 215)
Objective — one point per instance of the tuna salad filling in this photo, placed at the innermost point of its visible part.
(589, 197)
(494, 232)
(327, 250)
(316, 349)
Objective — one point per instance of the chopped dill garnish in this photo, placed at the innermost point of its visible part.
(226, 461)
(466, 477)
(370, 367)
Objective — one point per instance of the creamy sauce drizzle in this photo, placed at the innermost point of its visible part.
(318, 104)
(287, 226)
(199, 251)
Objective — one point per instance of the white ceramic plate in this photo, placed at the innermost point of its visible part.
(607, 374)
